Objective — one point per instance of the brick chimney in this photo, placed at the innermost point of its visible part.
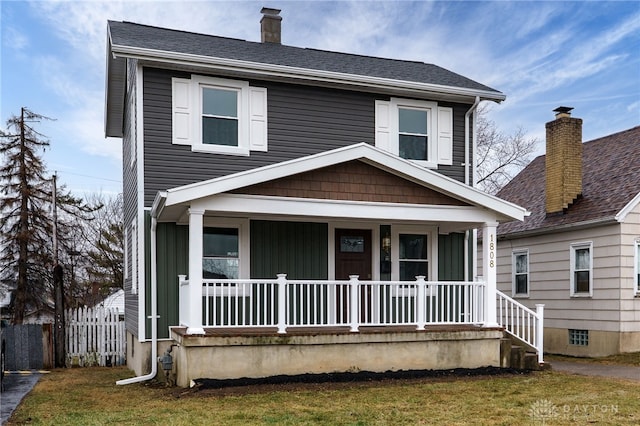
(563, 161)
(270, 25)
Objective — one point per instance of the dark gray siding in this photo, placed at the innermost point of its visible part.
(302, 120)
(130, 186)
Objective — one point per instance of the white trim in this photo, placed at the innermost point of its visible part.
(499, 209)
(244, 240)
(259, 204)
(432, 128)
(363, 82)
(125, 255)
(514, 293)
(134, 257)
(636, 265)
(631, 205)
(572, 259)
(251, 114)
(432, 250)
(140, 209)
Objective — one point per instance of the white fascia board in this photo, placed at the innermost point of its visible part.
(362, 151)
(261, 69)
(622, 214)
(289, 206)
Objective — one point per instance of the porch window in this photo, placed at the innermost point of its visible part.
(413, 260)
(581, 269)
(520, 268)
(220, 253)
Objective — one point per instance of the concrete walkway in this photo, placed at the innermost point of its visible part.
(602, 370)
(16, 387)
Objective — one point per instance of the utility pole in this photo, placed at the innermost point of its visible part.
(58, 284)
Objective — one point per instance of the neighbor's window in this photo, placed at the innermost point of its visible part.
(219, 116)
(413, 143)
(579, 337)
(581, 269)
(220, 253)
(413, 260)
(520, 270)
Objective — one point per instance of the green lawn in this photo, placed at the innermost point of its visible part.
(89, 396)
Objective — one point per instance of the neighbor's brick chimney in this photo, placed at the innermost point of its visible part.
(563, 161)
(270, 25)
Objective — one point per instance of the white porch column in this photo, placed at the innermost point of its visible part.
(489, 267)
(353, 303)
(194, 316)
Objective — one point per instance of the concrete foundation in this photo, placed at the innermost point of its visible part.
(228, 357)
(601, 343)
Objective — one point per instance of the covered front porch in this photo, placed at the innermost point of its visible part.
(348, 253)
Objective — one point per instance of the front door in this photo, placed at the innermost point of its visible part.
(353, 257)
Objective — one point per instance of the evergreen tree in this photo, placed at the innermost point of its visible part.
(26, 254)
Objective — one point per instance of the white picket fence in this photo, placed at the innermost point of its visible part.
(95, 336)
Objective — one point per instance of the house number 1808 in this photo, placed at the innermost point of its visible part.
(492, 253)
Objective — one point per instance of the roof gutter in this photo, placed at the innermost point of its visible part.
(610, 220)
(259, 69)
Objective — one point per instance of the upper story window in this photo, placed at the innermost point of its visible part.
(420, 131)
(520, 273)
(581, 269)
(219, 115)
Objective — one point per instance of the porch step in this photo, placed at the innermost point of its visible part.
(514, 355)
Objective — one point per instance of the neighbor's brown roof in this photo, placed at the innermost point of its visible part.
(610, 179)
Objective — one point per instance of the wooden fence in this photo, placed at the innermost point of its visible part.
(95, 336)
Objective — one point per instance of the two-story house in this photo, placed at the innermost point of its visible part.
(578, 252)
(292, 210)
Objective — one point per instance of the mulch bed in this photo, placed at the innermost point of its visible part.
(329, 381)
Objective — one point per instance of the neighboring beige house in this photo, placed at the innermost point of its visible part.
(579, 250)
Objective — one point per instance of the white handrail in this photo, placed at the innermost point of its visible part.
(522, 322)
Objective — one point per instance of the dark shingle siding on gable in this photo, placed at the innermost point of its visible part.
(161, 39)
(302, 121)
(610, 180)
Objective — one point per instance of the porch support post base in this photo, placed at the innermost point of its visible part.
(195, 330)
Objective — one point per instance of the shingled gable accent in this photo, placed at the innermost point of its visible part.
(351, 181)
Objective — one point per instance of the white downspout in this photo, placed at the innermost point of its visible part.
(154, 315)
(466, 178)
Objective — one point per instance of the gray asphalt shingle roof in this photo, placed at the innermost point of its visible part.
(168, 40)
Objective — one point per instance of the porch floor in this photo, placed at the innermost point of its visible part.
(316, 331)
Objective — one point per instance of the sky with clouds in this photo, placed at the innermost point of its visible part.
(540, 54)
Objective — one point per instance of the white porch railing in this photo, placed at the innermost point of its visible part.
(521, 322)
(286, 303)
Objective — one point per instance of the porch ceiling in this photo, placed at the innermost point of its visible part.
(261, 192)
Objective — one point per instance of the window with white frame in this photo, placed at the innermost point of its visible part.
(581, 269)
(219, 115)
(420, 131)
(221, 253)
(636, 263)
(520, 273)
(412, 253)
